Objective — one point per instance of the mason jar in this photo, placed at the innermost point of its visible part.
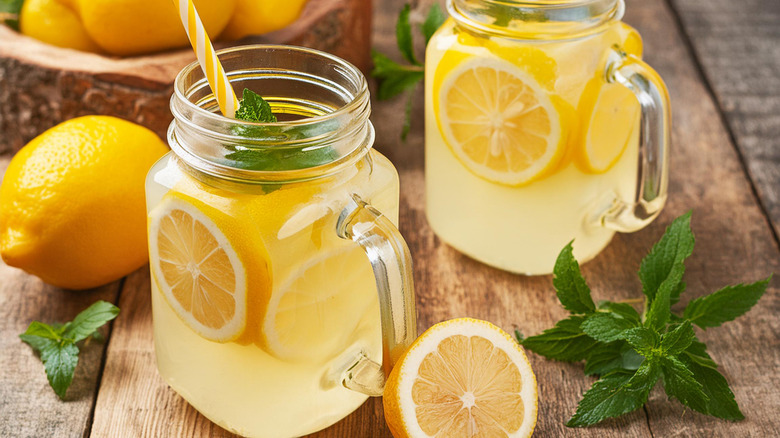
(281, 287)
(543, 126)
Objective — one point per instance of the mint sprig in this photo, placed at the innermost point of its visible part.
(56, 343)
(632, 352)
(395, 78)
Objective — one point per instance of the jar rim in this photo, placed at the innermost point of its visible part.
(541, 19)
(354, 103)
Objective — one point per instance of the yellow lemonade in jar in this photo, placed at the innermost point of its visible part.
(527, 144)
(266, 308)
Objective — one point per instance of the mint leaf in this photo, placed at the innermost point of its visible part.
(721, 401)
(680, 384)
(565, 342)
(403, 35)
(616, 394)
(642, 339)
(606, 327)
(280, 159)
(674, 297)
(626, 311)
(436, 17)
(10, 11)
(254, 108)
(697, 352)
(663, 268)
(394, 78)
(678, 339)
(89, 320)
(56, 343)
(573, 292)
(604, 358)
(725, 305)
(42, 330)
(60, 362)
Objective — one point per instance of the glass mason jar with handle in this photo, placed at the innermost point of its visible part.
(543, 125)
(280, 284)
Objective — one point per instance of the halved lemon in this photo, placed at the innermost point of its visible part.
(198, 268)
(315, 311)
(498, 121)
(610, 121)
(462, 378)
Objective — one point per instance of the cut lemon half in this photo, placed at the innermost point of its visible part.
(498, 121)
(197, 269)
(610, 122)
(315, 311)
(462, 378)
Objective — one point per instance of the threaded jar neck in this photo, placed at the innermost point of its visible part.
(322, 103)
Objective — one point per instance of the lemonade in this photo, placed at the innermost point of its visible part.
(528, 146)
(278, 287)
(322, 309)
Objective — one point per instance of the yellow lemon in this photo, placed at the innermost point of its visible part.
(56, 24)
(498, 120)
(462, 378)
(254, 17)
(132, 27)
(208, 265)
(72, 207)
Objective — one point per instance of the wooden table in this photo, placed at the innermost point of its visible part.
(721, 63)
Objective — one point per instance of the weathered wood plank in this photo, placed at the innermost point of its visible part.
(738, 46)
(734, 243)
(706, 177)
(28, 406)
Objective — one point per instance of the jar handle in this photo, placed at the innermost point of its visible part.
(392, 265)
(654, 142)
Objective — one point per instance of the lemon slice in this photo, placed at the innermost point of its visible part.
(610, 122)
(498, 121)
(462, 378)
(314, 312)
(198, 269)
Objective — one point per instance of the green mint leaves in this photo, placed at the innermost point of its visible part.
(395, 78)
(10, 11)
(254, 108)
(632, 352)
(57, 343)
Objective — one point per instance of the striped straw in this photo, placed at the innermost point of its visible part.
(207, 58)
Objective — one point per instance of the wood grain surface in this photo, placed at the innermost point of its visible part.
(738, 46)
(735, 243)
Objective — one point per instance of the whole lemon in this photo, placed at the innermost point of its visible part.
(132, 27)
(54, 23)
(72, 206)
(254, 17)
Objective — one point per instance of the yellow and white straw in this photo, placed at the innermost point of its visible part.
(207, 58)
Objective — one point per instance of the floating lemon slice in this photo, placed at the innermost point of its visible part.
(462, 378)
(498, 121)
(314, 312)
(198, 269)
(610, 120)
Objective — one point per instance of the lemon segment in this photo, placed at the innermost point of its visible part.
(315, 311)
(198, 270)
(611, 121)
(465, 378)
(498, 121)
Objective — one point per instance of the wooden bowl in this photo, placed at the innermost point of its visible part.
(42, 85)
